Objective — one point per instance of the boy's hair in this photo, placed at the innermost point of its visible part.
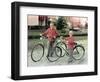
(51, 24)
(54, 24)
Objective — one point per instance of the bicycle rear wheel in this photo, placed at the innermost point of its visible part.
(78, 52)
(55, 54)
(37, 52)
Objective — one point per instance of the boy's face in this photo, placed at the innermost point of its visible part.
(51, 26)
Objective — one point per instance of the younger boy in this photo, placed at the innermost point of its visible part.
(70, 42)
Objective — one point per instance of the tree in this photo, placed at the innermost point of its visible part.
(61, 23)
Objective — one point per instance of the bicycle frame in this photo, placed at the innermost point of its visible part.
(66, 49)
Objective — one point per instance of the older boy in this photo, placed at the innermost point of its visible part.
(51, 33)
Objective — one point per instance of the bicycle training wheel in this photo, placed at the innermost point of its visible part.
(57, 51)
(78, 52)
(37, 52)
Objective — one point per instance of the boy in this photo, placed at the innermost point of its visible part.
(70, 42)
(51, 33)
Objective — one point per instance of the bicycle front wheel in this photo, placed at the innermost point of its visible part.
(63, 47)
(37, 52)
(78, 52)
(56, 54)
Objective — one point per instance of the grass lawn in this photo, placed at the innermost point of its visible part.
(38, 32)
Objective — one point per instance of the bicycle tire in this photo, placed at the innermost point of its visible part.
(79, 52)
(33, 51)
(63, 46)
